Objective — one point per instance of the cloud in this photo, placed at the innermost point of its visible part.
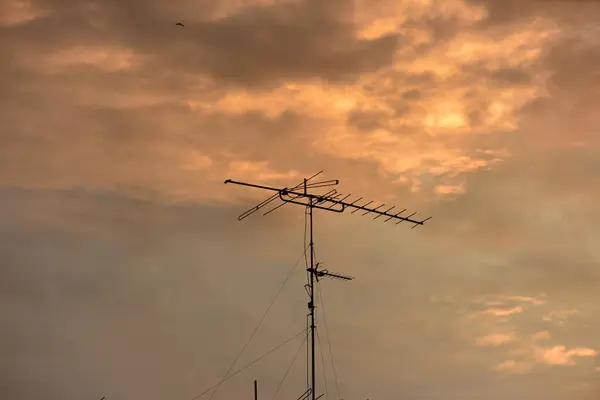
(190, 78)
(495, 339)
(513, 367)
(502, 312)
(514, 341)
(560, 355)
(542, 335)
(19, 12)
(559, 315)
(532, 300)
(252, 46)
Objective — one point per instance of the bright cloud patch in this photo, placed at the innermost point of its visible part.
(495, 339)
(524, 351)
(560, 355)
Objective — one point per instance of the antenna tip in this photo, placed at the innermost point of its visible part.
(227, 180)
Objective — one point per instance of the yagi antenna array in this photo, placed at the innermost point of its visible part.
(302, 194)
(330, 201)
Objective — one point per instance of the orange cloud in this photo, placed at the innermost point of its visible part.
(18, 12)
(450, 189)
(495, 339)
(436, 116)
(527, 299)
(539, 336)
(502, 312)
(260, 171)
(559, 315)
(526, 353)
(106, 58)
(513, 367)
(424, 100)
(559, 355)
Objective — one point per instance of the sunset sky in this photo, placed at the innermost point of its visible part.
(125, 273)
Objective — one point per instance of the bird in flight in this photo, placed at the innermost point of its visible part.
(179, 23)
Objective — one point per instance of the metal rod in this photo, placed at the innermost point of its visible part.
(398, 213)
(375, 209)
(342, 199)
(361, 207)
(311, 198)
(410, 220)
(255, 390)
(385, 212)
(311, 304)
(356, 201)
(331, 182)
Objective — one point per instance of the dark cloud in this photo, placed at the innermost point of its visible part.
(257, 46)
(366, 121)
(502, 12)
(509, 77)
(512, 76)
(413, 94)
(442, 29)
(575, 65)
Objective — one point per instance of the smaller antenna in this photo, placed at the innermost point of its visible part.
(320, 273)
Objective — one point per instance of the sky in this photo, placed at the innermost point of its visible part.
(125, 272)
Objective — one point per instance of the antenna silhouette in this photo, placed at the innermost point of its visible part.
(329, 201)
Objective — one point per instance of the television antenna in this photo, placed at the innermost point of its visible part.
(329, 201)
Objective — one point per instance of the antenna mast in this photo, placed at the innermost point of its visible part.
(330, 201)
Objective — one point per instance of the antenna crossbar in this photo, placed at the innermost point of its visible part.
(329, 201)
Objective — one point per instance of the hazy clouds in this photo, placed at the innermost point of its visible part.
(126, 274)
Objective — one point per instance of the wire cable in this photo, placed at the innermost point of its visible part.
(289, 368)
(249, 364)
(323, 366)
(259, 324)
(329, 342)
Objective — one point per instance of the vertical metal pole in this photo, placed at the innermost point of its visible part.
(312, 304)
(255, 390)
(307, 357)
